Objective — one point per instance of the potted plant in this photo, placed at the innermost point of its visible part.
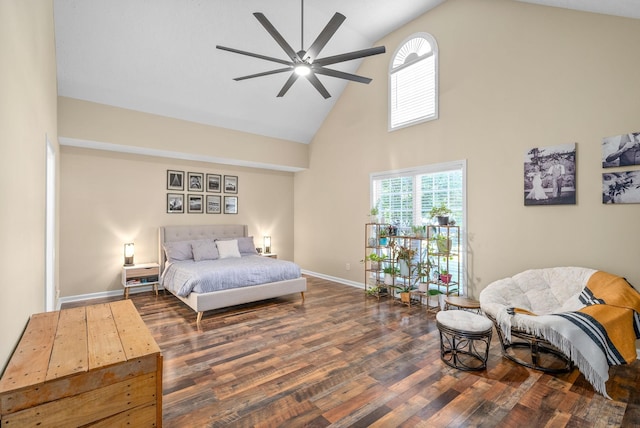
(419, 231)
(374, 214)
(404, 256)
(405, 293)
(383, 237)
(441, 213)
(443, 243)
(423, 270)
(374, 290)
(389, 273)
(445, 276)
(375, 260)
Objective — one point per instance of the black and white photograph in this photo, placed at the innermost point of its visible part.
(175, 203)
(230, 184)
(195, 204)
(213, 183)
(213, 204)
(175, 180)
(621, 150)
(621, 187)
(196, 182)
(550, 175)
(231, 205)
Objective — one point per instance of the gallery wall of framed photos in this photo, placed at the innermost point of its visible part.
(205, 193)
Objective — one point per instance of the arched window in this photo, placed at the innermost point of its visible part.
(413, 82)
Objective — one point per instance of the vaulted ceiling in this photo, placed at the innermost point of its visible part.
(159, 56)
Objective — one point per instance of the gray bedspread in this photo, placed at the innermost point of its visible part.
(188, 276)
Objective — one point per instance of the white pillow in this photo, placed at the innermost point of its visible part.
(228, 249)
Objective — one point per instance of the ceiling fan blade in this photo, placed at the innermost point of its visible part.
(276, 36)
(255, 55)
(324, 36)
(341, 75)
(350, 56)
(290, 81)
(264, 73)
(311, 77)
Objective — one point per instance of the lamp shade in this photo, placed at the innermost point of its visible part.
(267, 244)
(128, 254)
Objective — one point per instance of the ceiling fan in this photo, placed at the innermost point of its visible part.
(306, 63)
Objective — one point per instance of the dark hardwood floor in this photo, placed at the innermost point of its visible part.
(342, 359)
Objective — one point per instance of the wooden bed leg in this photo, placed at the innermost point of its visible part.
(199, 318)
(302, 294)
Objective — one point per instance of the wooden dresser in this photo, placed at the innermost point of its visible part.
(94, 365)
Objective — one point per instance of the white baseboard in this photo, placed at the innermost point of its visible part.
(334, 279)
(144, 288)
(103, 294)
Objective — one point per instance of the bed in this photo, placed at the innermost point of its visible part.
(195, 259)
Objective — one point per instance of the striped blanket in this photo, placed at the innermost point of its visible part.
(599, 335)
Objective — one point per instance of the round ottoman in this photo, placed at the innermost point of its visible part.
(464, 339)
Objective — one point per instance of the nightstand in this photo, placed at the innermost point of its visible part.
(271, 255)
(140, 274)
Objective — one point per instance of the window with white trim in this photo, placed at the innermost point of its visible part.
(405, 197)
(413, 82)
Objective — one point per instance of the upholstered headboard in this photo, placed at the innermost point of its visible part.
(193, 232)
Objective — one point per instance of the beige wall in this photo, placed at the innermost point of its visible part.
(512, 76)
(27, 116)
(108, 199)
(83, 120)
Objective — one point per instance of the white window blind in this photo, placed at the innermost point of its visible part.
(405, 198)
(413, 92)
(413, 89)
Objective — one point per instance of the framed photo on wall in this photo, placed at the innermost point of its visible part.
(231, 205)
(230, 184)
(194, 204)
(196, 182)
(175, 180)
(621, 150)
(175, 203)
(213, 183)
(550, 175)
(621, 187)
(214, 205)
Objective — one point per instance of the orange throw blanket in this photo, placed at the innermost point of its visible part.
(612, 301)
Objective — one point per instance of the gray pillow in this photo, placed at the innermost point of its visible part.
(204, 249)
(246, 246)
(178, 251)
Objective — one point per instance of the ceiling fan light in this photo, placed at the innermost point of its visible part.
(302, 69)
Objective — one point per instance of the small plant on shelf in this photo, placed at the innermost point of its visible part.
(374, 214)
(383, 235)
(445, 276)
(443, 243)
(419, 231)
(406, 254)
(389, 273)
(442, 213)
(375, 260)
(376, 290)
(390, 270)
